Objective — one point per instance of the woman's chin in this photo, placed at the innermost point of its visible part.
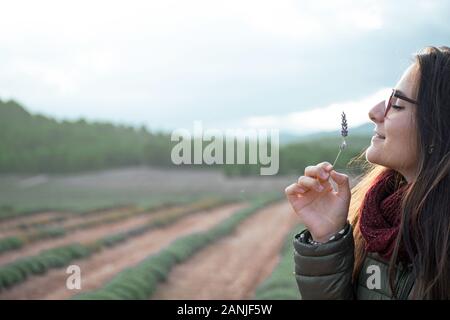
(372, 155)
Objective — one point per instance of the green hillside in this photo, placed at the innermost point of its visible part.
(34, 143)
(37, 144)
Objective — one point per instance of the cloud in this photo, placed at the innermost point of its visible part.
(325, 118)
(165, 63)
(63, 77)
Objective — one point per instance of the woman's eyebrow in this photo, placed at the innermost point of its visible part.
(399, 94)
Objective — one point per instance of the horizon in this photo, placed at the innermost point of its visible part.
(285, 136)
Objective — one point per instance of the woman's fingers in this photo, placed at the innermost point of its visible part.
(343, 184)
(317, 178)
(327, 185)
(293, 190)
(309, 183)
(320, 171)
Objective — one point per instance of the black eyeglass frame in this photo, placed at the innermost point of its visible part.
(396, 94)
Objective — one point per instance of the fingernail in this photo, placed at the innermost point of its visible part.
(301, 190)
(324, 175)
(320, 188)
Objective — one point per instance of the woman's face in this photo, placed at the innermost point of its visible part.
(395, 145)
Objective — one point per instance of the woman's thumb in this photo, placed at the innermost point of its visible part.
(343, 184)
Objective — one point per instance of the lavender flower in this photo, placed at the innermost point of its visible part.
(344, 133)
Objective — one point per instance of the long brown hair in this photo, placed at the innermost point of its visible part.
(425, 226)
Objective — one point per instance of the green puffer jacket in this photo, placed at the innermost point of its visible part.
(324, 271)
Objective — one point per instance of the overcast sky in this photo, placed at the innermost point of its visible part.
(292, 65)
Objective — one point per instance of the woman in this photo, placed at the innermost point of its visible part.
(396, 244)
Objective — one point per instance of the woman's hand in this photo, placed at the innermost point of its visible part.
(322, 210)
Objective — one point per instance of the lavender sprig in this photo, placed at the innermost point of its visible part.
(344, 133)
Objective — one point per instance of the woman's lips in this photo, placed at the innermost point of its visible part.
(379, 136)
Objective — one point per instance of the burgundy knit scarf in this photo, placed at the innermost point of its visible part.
(381, 216)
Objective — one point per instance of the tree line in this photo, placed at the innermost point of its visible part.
(32, 143)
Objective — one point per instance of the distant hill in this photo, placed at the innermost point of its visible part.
(362, 130)
(31, 143)
(366, 128)
(286, 138)
(35, 143)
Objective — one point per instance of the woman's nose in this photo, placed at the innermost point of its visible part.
(376, 114)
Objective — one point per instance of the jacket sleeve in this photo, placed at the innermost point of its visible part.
(324, 271)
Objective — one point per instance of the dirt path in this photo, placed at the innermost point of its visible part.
(80, 235)
(71, 219)
(101, 267)
(233, 267)
(10, 226)
(97, 216)
(84, 235)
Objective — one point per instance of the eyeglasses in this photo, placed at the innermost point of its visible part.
(395, 94)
